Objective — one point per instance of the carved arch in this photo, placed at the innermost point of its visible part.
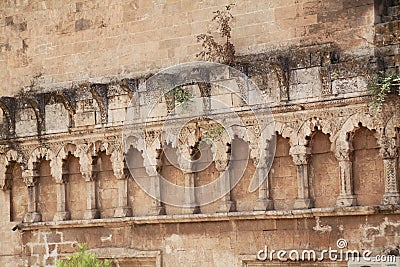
(283, 129)
(129, 86)
(5, 161)
(35, 157)
(150, 149)
(87, 154)
(302, 135)
(39, 112)
(6, 104)
(60, 158)
(99, 93)
(341, 144)
(282, 79)
(69, 104)
(391, 126)
(353, 123)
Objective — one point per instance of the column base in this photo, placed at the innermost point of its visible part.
(346, 201)
(303, 203)
(91, 214)
(62, 216)
(157, 210)
(121, 212)
(391, 199)
(264, 204)
(227, 206)
(191, 210)
(32, 217)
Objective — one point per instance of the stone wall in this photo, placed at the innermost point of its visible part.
(44, 43)
(71, 70)
(73, 185)
(224, 242)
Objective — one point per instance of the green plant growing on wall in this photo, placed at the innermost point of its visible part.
(211, 49)
(381, 86)
(182, 96)
(211, 135)
(83, 258)
(179, 96)
(214, 132)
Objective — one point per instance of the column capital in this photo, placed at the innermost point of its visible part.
(343, 151)
(64, 179)
(30, 177)
(223, 156)
(300, 154)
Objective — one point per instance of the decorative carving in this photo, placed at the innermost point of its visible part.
(99, 93)
(30, 178)
(7, 104)
(389, 153)
(289, 122)
(388, 147)
(343, 150)
(300, 154)
(5, 160)
(152, 135)
(118, 163)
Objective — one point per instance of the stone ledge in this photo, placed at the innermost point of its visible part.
(216, 217)
(281, 108)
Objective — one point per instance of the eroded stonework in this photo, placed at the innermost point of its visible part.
(335, 174)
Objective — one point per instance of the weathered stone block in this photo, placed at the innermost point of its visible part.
(57, 118)
(85, 119)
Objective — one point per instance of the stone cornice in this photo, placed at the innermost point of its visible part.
(99, 133)
(217, 217)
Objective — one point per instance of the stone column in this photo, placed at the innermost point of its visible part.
(264, 201)
(262, 158)
(121, 173)
(88, 170)
(31, 180)
(123, 210)
(186, 165)
(190, 193)
(5, 186)
(62, 214)
(61, 180)
(91, 206)
(227, 203)
(389, 153)
(222, 165)
(346, 197)
(300, 155)
(157, 207)
(5, 183)
(89, 173)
